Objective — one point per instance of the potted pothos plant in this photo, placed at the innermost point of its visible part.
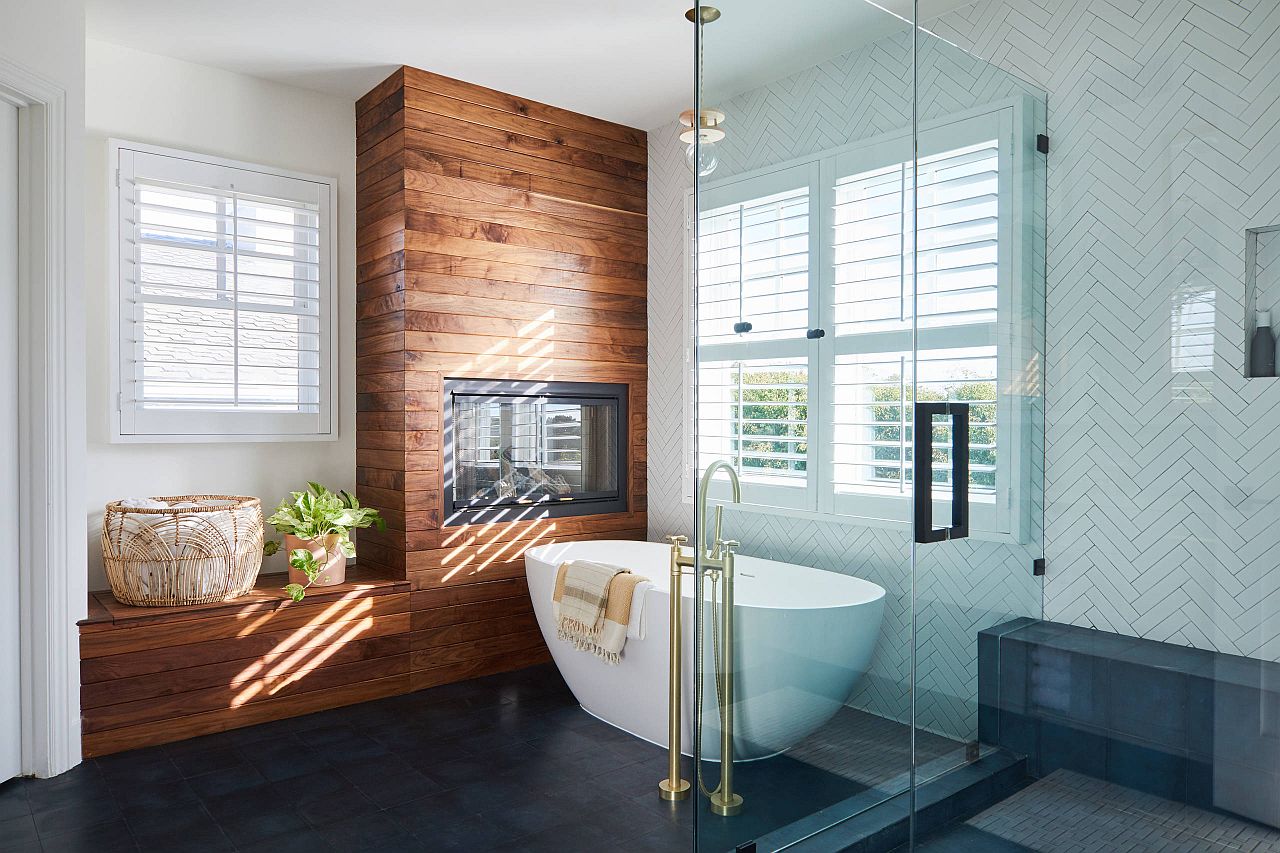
(317, 527)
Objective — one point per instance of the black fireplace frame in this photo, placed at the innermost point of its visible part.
(464, 512)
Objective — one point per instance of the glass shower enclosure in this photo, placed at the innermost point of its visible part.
(864, 315)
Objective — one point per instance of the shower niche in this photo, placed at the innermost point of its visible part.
(1261, 287)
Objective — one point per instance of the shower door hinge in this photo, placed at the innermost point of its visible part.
(1042, 143)
(1038, 566)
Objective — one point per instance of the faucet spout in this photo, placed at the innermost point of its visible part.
(711, 547)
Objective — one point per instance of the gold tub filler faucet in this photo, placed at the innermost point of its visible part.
(716, 561)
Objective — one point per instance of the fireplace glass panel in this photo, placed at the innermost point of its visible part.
(514, 449)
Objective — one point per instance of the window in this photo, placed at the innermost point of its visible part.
(225, 299)
(821, 419)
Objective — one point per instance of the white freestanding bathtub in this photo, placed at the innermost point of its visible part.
(803, 639)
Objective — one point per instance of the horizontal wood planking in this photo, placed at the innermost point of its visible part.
(476, 611)
(511, 643)
(160, 660)
(208, 722)
(152, 675)
(498, 238)
(232, 672)
(171, 635)
(241, 695)
(485, 116)
(478, 134)
(431, 173)
(416, 79)
(446, 673)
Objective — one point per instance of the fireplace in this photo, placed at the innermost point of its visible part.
(518, 450)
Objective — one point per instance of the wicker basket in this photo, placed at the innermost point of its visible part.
(161, 557)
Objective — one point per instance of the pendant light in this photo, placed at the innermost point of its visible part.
(702, 131)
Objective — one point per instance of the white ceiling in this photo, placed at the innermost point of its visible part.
(629, 61)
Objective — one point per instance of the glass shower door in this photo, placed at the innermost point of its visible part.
(865, 324)
(978, 255)
(800, 350)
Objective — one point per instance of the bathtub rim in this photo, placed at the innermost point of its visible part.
(873, 592)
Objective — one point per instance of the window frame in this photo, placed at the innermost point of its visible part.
(130, 423)
(1002, 517)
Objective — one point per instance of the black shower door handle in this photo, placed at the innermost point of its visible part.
(922, 471)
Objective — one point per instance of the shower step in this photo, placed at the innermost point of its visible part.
(880, 825)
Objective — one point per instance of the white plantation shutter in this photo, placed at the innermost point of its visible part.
(827, 243)
(957, 294)
(755, 414)
(871, 430)
(226, 300)
(757, 246)
(753, 266)
(958, 228)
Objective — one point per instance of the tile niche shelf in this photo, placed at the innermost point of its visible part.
(1262, 283)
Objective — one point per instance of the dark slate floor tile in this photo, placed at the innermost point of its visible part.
(392, 789)
(579, 837)
(458, 771)
(13, 799)
(18, 833)
(228, 781)
(301, 841)
(356, 747)
(208, 761)
(664, 839)
(155, 795)
(74, 815)
(142, 765)
(271, 819)
(286, 759)
(112, 837)
(177, 829)
(336, 805)
(464, 835)
(81, 783)
(372, 831)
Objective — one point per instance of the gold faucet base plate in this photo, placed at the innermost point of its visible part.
(723, 807)
(679, 790)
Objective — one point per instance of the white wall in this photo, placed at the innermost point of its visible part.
(143, 97)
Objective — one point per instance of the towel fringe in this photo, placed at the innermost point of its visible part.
(583, 638)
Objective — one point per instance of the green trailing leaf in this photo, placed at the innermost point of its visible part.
(315, 514)
(270, 547)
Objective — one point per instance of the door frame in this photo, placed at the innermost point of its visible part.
(51, 442)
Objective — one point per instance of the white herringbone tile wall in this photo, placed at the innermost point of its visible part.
(1161, 513)
(1160, 487)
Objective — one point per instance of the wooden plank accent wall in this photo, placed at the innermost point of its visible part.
(152, 675)
(496, 238)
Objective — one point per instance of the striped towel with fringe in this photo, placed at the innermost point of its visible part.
(593, 607)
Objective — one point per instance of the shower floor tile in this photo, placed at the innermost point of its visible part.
(1067, 812)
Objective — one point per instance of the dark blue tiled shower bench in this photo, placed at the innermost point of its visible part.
(1190, 725)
